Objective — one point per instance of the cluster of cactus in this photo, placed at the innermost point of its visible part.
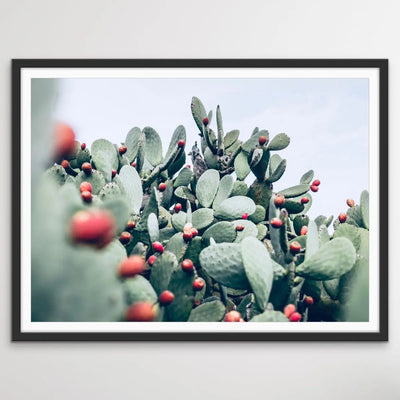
(133, 235)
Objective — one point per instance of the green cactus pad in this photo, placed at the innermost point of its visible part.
(104, 157)
(242, 167)
(293, 207)
(235, 207)
(258, 215)
(258, 267)
(239, 189)
(324, 236)
(210, 158)
(177, 245)
(198, 112)
(221, 232)
(332, 260)
(251, 143)
(261, 231)
(277, 172)
(307, 206)
(364, 206)
(96, 179)
(207, 187)
(312, 240)
(300, 221)
(181, 285)
(230, 138)
(274, 233)
(184, 177)
(151, 207)
(109, 191)
(259, 168)
(223, 262)
(82, 156)
(161, 271)
(212, 311)
(178, 221)
(131, 142)
(119, 208)
(166, 234)
(57, 174)
(179, 134)
(261, 193)
(307, 177)
(182, 192)
(250, 229)
(152, 146)
(279, 142)
(350, 232)
(133, 187)
(270, 316)
(193, 250)
(295, 191)
(138, 288)
(202, 218)
(152, 227)
(224, 190)
(332, 288)
(354, 216)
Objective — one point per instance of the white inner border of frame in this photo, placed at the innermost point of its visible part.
(28, 73)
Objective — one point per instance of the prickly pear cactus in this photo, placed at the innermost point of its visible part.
(136, 234)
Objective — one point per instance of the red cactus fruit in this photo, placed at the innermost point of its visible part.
(187, 236)
(141, 311)
(65, 164)
(131, 266)
(309, 300)
(64, 140)
(314, 188)
(166, 298)
(187, 265)
(303, 230)
(198, 284)
(162, 186)
(87, 168)
(151, 259)
(294, 247)
(130, 225)
(188, 166)
(239, 228)
(206, 121)
(133, 165)
(316, 182)
(194, 232)
(276, 222)
(304, 200)
(262, 140)
(350, 202)
(279, 200)
(181, 143)
(158, 247)
(232, 316)
(122, 150)
(289, 310)
(245, 216)
(85, 187)
(342, 218)
(94, 227)
(113, 173)
(295, 317)
(178, 207)
(83, 146)
(86, 196)
(125, 237)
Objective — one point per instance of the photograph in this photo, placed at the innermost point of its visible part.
(160, 199)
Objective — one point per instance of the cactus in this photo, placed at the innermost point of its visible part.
(248, 244)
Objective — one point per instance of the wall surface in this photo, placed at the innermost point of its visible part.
(206, 29)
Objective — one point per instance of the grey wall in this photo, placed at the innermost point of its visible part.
(223, 29)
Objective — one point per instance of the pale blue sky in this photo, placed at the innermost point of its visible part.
(326, 119)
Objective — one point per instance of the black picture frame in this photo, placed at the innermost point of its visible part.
(19, 64)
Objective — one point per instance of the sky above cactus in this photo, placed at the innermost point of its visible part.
(326, 119)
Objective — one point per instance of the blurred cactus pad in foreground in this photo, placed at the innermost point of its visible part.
(196, 232)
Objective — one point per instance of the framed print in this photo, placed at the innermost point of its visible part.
(200, 200)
